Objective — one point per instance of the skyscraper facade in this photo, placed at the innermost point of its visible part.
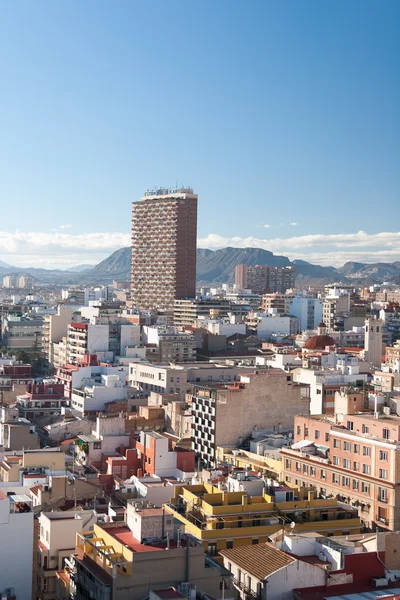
(164, 230)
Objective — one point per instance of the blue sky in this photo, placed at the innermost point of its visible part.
(283, 116)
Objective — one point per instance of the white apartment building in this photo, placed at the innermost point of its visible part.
(93, 396)
(108, 435)
(16, 544)
(308, 312)
(325, 382)
(271, 325)
(177, 379)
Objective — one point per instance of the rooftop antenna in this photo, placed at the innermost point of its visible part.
(292, 526)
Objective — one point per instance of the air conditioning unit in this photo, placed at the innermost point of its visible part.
(379, 581)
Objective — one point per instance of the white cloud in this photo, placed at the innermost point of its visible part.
(65, 226)
(60, 249)
(293, 224)
(267, 226)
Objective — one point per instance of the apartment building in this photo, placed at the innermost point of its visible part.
(171, 345)
(22, 333)
(16, 535)
(87, 372)
(111, 563)
(55, 327)
(188, 312)
(14, 373)
(223, 520)
(262, 278)
(40, 400)
(32, 467)
(270, 326)
(93, 395)
(307, 310)
(57, 538)
(15, 282)
(356, 459)
(164, 230)
(324, 382)
(226, 414)
(276, 303)
(335, 304)
(392, 357)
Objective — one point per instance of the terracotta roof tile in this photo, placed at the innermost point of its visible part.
(260, 560)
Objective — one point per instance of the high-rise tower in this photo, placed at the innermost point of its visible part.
(164, 230)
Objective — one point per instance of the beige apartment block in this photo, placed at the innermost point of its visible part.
(356, 459)
(224, 415)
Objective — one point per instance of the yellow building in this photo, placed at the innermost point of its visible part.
(222, 520)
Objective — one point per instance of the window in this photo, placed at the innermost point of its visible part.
(345, 481)
(383, 474)
(305, 469)
(336, 461)
(254, 541)
(365, 429)
(306, 432)
(336, 444)
(249, 582)
(347, 446)
(356, 466)
(356, 448)
(366, 469)
(298, 467)
(312, 471)
(212, 549)
(335, 478)
(298, 430)
(346, 463)
(96, 445)
(365, 488)
(355, 484)
(366, 451)
(317, 434)
(382, 494)
(229, 545)
(288, 464)
(327, 437)
(323, 474)
(383, 455)
(350, 425)
(386, 434)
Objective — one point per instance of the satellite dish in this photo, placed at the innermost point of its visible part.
(292, 525)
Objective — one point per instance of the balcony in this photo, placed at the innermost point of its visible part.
(244, 588)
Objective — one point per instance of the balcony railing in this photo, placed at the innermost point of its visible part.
(244, 588)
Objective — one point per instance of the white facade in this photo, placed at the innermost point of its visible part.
(307, 310)
(319, 378)
(93, 397)
(16, 545)
(269, 325)
(225, 328)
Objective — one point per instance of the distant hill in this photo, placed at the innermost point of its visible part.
(218, 266)
(117, 265)
(80, 268)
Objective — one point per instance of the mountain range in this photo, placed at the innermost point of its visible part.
(218, 266)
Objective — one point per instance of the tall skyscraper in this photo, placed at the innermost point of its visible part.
(164, 230)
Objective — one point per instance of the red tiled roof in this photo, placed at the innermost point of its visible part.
(35, 489)
(319, 341)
